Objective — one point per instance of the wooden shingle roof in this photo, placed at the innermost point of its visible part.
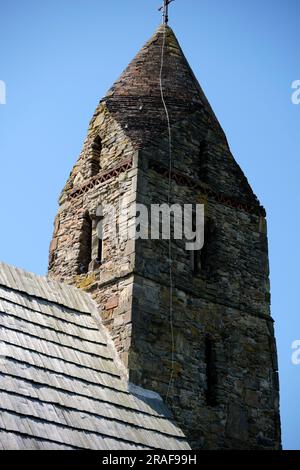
(60, 387)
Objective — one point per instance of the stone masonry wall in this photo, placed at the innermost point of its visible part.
(220, 347)
(111, 282)
(229, 302)
(246, 412)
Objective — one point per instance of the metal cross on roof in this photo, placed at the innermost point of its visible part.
(165, 10)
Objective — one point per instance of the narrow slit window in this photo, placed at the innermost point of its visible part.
(195, 254)
(211, 372)
(196, 262)
(209, 245)
(203, 147)
(98, 246)
(100, 251)
(95, 160)
(201, 260)
(85, 252)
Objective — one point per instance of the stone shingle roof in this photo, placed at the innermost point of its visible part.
(135, 98)
(60, 387)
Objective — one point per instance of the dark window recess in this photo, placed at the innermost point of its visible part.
(211, 372)
(201, 259)
(99, 257)
(95, 162)
(204, 253)
(196, 262)
(209, 247)
(195, 254)
(100, 251)
(203, 147)
(85, 250)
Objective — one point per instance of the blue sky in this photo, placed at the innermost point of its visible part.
(58, 58)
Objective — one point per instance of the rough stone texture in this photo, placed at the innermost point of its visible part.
(228, 302)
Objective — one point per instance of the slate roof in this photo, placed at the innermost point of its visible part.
(60, 387)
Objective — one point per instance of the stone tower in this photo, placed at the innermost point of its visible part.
(222, 353)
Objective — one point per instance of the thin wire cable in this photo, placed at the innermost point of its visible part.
(169, 200)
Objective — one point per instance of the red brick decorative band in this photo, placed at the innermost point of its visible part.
(179, 178)
(183, 180)
(102, 178)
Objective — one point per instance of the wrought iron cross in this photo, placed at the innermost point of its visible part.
(165, 10)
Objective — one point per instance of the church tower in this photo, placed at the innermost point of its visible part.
(194, 327)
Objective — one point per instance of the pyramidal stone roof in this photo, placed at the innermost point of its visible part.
(60, 385)
(135, 99)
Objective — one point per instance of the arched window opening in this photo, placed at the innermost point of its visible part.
(211, 372)
(85, 251)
